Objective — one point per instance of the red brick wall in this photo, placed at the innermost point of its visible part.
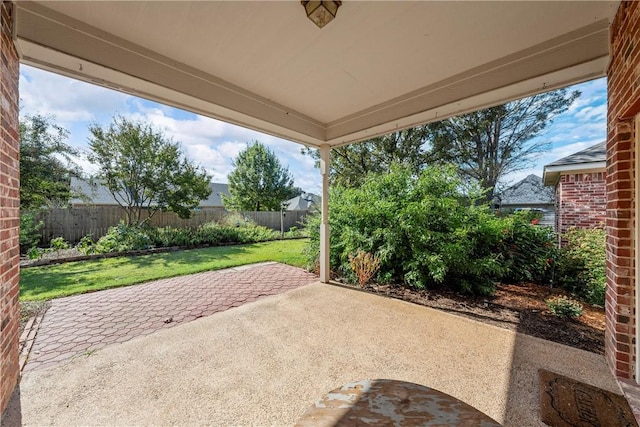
(581, 201)
(9, 209)
(623, 104)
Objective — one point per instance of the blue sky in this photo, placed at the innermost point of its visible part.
(214, 143)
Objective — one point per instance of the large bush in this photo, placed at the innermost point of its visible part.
(212, 233)
(527, 252)
(581, 265)
(429, 231)
(123, 238)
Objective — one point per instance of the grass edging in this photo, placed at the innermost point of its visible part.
(61, 280)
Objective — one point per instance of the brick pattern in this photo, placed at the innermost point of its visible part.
(9, 208)
(623, 104)
(79, 325)
(581, 201)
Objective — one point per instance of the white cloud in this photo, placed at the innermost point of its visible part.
(215, 144)
(87, 167)
(594, 91)
(69, 100)
(230, 150)
(590, 113)
(192, 130)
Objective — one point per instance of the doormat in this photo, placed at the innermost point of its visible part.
(565, 402)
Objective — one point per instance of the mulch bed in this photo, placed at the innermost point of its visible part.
(516, 307)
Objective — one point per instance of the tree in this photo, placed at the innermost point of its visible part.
(46, 164)
(350, 164)
(259, 181)
(143, 169)
(491, 143)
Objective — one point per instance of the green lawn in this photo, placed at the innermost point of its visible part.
(43, 283)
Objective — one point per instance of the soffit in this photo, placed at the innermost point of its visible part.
(378, 66)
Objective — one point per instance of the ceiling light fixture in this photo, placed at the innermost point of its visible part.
(321, 12)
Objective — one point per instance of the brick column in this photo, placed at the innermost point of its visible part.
(9, 208)
(623, 105)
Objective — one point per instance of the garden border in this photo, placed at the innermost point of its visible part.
(140, 252)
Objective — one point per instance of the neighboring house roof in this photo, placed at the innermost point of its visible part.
(303, 202)
(529, 191)
(215, 198)
(96, 194)
(91, 193)
(594, 157)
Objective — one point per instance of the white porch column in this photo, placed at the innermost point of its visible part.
(325, 268)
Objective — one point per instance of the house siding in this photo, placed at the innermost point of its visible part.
(581, 201)
(9, 209)
(623, 103)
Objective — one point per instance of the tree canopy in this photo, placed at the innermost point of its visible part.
(490, 143)
(143, 169)
(46, 163)
(259, 182)
(350, 164)
(486, 145)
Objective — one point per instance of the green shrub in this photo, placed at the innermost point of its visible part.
(171, 236)
(29, 231)
(235, 219)
(256, 233)
(429, 231)
(35, 253)
(296, 232)
(312, 249)
(86, 245)
(564, 307)
(58, 244)
(531, 216)
(426, 231)
(581, 267)
(211, 233)
(527, 251)
(122, 238)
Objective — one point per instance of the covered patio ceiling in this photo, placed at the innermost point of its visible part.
(378, 67)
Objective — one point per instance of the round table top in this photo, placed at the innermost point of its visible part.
(391, 403)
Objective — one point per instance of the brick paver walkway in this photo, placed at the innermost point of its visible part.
(85, 323)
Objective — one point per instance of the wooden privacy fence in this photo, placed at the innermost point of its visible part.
(74, 223)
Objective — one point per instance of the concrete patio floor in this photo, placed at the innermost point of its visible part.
(266, 362)
(85, 323)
